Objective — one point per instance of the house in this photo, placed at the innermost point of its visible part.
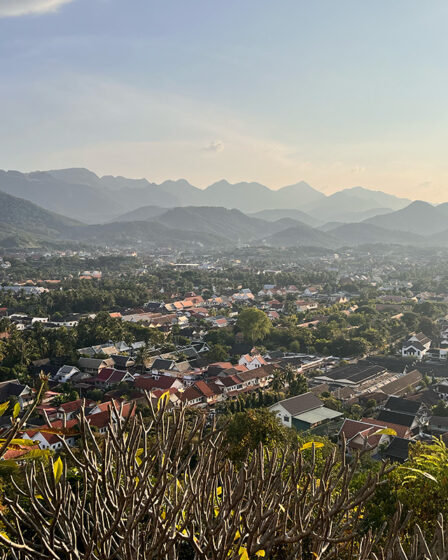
(252, 361)
(122, 362)
(53, 441)
(438, 425)
(191, 396)
(13, 388)
(404, 412)
(416, 346)
(352, 375)
(363, 435)
(441, 389)
(108, 377)
(70, 410)
(303, 412)
(163, 383)
(94, 365)
(105, 413)
(211, 392)
(404, 384)
(65, 373)
(397, 451)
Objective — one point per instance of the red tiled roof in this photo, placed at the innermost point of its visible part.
(73, 406)
(402, 431)
(190, 394)
(149, 383)
(223, 365)
(203, 388)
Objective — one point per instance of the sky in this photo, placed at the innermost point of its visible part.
(336, 93)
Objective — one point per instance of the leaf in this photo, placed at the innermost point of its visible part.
(260, 553)
(39, 497)
(385, 431)
(58, 467)
(243, 553)
(163, 400)
(23, 442)
(137, 456)
(4, 535)
(310, 444)
(3, 408)
(16, 410)
(418, 471)
(237, 535)
(219, 491)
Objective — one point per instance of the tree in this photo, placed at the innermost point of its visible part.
(167, 490)
(298, 386)
(254, 324)
(246, 430)
(218, 353)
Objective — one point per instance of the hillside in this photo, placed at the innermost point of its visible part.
(419, 217)
(367, 234)
(379, 199)
(25, 216)
(301, 235)
(228, 224)
(144, 235)
(82, 201)
(274, 215)
(141, 214)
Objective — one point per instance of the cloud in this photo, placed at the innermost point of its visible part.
(215, 146)
(14, 8)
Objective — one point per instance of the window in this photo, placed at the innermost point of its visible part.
(285, 418)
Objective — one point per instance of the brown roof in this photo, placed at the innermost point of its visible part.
(190, 394)
(301, 403)
(73, 406)
(402, 431)
(400, 385)
(203, 388)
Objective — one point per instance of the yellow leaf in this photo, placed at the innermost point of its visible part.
(216, 510)
(57, 470)
(163, 514)
(24, 442)
(4, 535)
(243, 553)
(39, 497)
(219, 491)
(16, 410)
(163, 400)
(310, 444)
(260, 553)
(3, 408)
(178, 484)
(137, 456)
(237, 535)
(386, 432)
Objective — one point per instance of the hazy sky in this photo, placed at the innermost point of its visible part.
(337, 93)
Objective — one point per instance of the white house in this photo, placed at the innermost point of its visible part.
(252, 361)
(303, 412)
(65, 373)
(417, 345)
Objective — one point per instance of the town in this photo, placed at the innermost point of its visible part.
(331, 347)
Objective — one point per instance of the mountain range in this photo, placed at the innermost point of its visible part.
(85, 196)
(24, 224)
(322, 221)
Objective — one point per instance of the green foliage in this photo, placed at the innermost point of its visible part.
(420, 484)
(246, 430)
(254, 324)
